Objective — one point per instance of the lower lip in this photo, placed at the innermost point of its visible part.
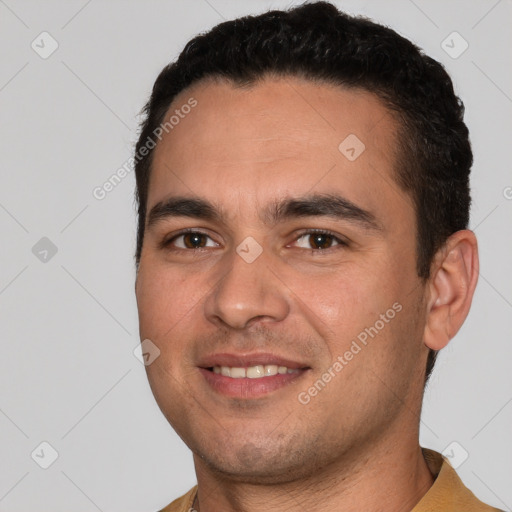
(249, 388)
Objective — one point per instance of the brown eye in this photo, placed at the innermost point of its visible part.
(194, 240)
(318, 240)
(190, 240)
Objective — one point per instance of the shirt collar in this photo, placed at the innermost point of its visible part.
(448, 493)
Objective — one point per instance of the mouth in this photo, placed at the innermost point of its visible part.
(252, 372)
(250, 376)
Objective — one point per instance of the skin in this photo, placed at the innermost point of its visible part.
(355, 444)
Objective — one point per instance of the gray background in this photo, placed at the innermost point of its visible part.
(68, 374)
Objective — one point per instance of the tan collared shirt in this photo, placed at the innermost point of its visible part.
(447, 494)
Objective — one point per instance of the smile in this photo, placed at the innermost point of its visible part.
(253, 372)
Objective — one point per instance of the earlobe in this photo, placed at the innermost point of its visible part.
(451, 286)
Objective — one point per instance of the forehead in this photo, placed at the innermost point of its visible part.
(279, 137)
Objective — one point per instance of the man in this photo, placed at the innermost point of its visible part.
(302, 255)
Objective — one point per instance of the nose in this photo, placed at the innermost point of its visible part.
(247, 293)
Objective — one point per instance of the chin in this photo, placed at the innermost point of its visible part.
(256, 464)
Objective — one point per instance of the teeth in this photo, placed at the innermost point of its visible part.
(270, 369)
(237, 373)
(255, 372)
(252, 372)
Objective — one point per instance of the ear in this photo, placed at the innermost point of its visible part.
(453, 279)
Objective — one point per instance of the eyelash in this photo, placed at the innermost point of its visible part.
(166, 244)
(340, 242)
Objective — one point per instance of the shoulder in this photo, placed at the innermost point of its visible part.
(183, 504)
(448, 493)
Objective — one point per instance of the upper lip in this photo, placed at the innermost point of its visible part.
(246, 360)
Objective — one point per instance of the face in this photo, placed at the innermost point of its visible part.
(278, 279)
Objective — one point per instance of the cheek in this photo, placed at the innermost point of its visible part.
(344, 300)
(167, 302)
(165, 298)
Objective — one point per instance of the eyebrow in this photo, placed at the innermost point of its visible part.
(314, 205)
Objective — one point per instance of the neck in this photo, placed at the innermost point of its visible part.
(385, 478)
